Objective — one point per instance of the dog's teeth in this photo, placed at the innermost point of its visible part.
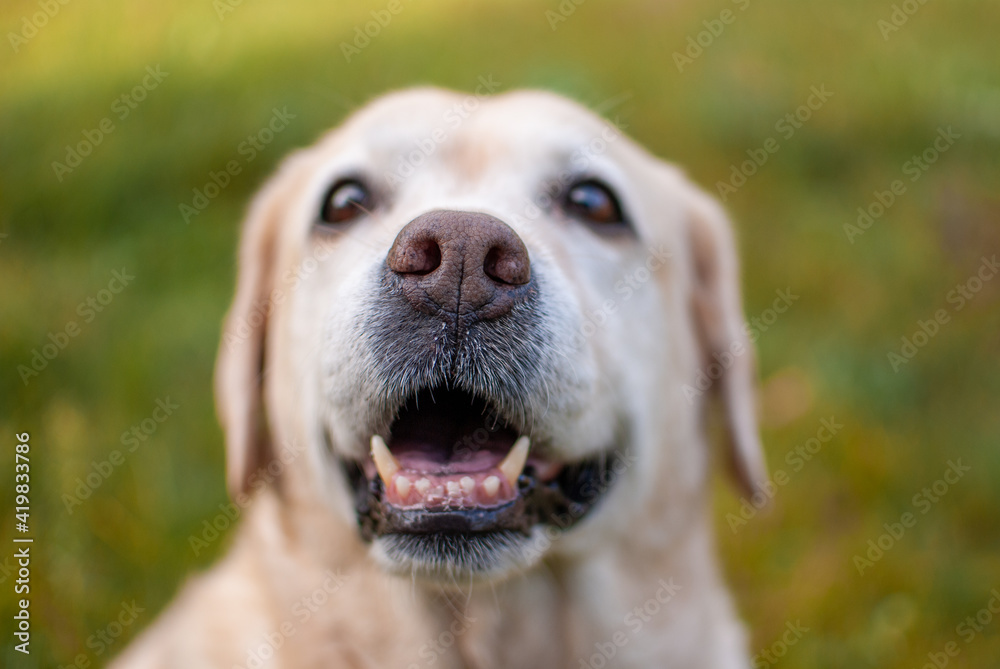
(422, 486)
(385, 463)
(491, 486)
(453, 489)
(468, 484)
(513, 464)
(403, 486)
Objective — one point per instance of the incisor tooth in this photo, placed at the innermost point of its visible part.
(422, 486)
(491, 485)
(385, 463)
(403, 486)
(468, 484)
(513, 464)
(453, 488)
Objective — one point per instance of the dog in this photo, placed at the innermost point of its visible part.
(463, 384)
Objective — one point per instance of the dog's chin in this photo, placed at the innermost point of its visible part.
(453, 493)
(453, 559)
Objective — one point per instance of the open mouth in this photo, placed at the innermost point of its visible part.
(453, 481)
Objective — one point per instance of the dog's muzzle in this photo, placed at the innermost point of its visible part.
(455, 479)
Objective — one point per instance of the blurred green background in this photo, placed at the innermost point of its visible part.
(230, 64)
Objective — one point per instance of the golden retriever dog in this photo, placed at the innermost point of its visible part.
(463, 384)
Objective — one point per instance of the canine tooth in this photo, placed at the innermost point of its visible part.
(385, 463)
(453, 489)
(491, 486)
(403, 486)
(422, 486)
(468, 484)
(513, 464)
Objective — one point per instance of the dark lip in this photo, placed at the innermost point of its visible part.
(550, 492)
(560, 502)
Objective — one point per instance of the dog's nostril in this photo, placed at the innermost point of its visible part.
(417, 257)
(460, 263)
(507, 264)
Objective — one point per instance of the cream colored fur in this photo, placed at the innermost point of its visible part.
(289, 368)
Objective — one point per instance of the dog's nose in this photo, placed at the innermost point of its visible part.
(461, 263)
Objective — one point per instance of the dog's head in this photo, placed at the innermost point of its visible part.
(492, 325)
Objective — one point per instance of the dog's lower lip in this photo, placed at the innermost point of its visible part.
(561, 501)
(454, 484)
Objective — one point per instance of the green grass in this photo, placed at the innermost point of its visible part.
(827, 356)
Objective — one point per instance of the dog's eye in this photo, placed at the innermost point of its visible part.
(593, 202)
(347, 200)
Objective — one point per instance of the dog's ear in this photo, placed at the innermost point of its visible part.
(240, 367)
(727, 356)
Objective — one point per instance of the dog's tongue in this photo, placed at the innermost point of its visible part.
(427, 461)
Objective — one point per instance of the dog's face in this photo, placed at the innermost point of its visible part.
(491, 323)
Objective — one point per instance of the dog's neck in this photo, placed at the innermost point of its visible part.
(620, 601)
(626, 598)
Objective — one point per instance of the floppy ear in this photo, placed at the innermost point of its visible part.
(239, 370)
(718, 317)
